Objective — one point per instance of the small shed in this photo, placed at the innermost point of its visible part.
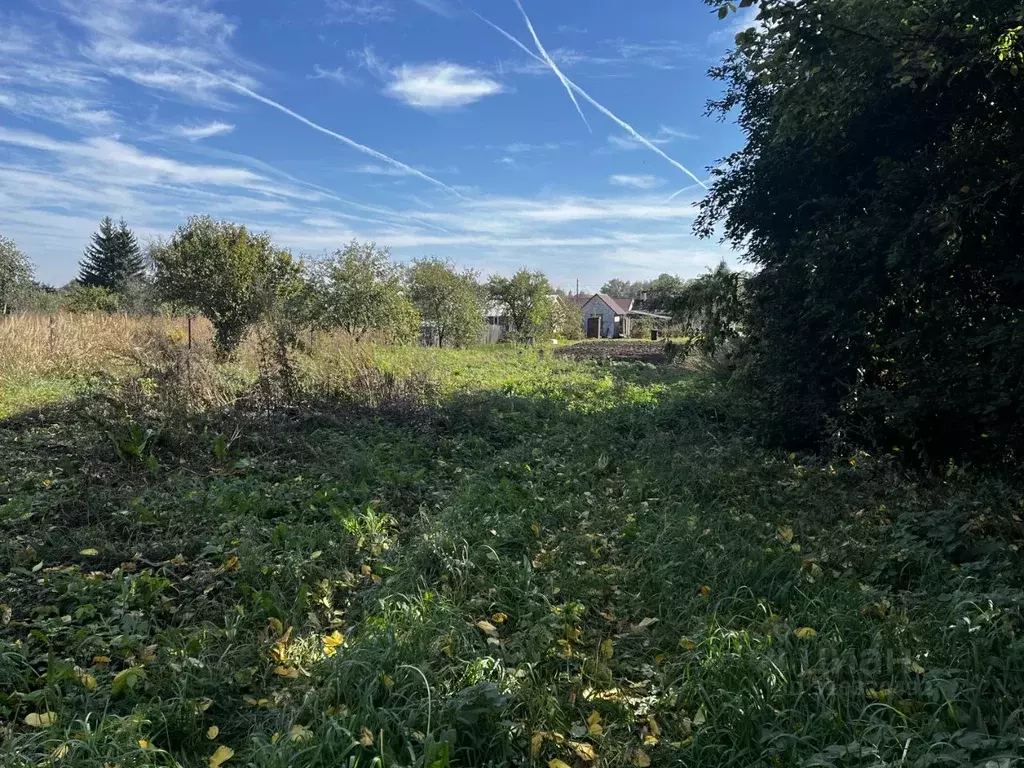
(606, 317)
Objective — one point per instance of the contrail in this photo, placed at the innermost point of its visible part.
(554, 67)
(600, 107)
(317, 127)
(676, 194)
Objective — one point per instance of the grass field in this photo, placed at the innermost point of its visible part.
(502, 558)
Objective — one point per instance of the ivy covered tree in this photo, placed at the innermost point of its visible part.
(448, 300)
(15, 276)
(113, 258)
(525, 299)
(880, 194)
(231, 275)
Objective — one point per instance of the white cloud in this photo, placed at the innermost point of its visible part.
(337, 74)
(359, 11)
(665, 135)
(380, 170)
(65, 110)
(440, 7)
(520, 147)
(110, 159)
(644, 181)
(439, 86)
(198, 132)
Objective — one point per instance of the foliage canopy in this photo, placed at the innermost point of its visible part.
(879, 194)
(226, 272)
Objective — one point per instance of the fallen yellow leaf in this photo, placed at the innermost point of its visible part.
(499, 618)
(556, 763)
(61, 752)
(701, 717)
(300, 733)
(607, 648)
(536, 530)
(144, 744)
(536, 742)
(212, 732)
(786, 534)
(487, 628)
(221, 756)
(90, 552)
(805, 633)
(85, 679)
(366, 737)
(284, 671)
(641, 759)
(645, 623)
(704, 591)
(594, 724)
(41, 720)
(584, 751)
(276, 625)
(100, 661)
(332, 642)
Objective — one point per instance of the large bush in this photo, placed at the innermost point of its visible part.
(880, 193)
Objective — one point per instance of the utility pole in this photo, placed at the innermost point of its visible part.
(577, 287)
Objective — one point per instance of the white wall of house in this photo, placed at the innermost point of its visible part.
(597, 306)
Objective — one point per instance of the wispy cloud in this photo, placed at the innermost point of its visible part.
(337, 74)
(379, 170)
(204, 131)
(65, 110)
(327, 131)
(521, 147)
(550, 62)
(665, 135)
(440, 7)
(358, 11)
(600, 107)
(440, 86)
(639, 181)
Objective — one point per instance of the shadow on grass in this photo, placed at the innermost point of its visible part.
(474, 558)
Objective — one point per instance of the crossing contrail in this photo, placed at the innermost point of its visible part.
(554, 67)
(597, 105)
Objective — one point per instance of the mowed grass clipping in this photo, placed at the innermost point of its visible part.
(544, 562)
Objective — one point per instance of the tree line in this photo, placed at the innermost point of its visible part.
(238, 278)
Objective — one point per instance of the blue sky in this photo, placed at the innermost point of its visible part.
(436, 127)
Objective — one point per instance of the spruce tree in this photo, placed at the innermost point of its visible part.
(112, 259)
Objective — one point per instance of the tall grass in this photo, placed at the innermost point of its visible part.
(68, 345)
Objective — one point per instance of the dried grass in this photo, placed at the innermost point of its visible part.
(69, 345)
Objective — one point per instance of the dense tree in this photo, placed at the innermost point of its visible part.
(622, 289)
(880, 193)
(15, 276)
(360, 290)
(230, 275)
(658, 291)
(661, 291)
(113, 259)
(565, 320)
(447, 299)
(710, 309)
(525, 300)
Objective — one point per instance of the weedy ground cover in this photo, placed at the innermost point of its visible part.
(490, 558)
